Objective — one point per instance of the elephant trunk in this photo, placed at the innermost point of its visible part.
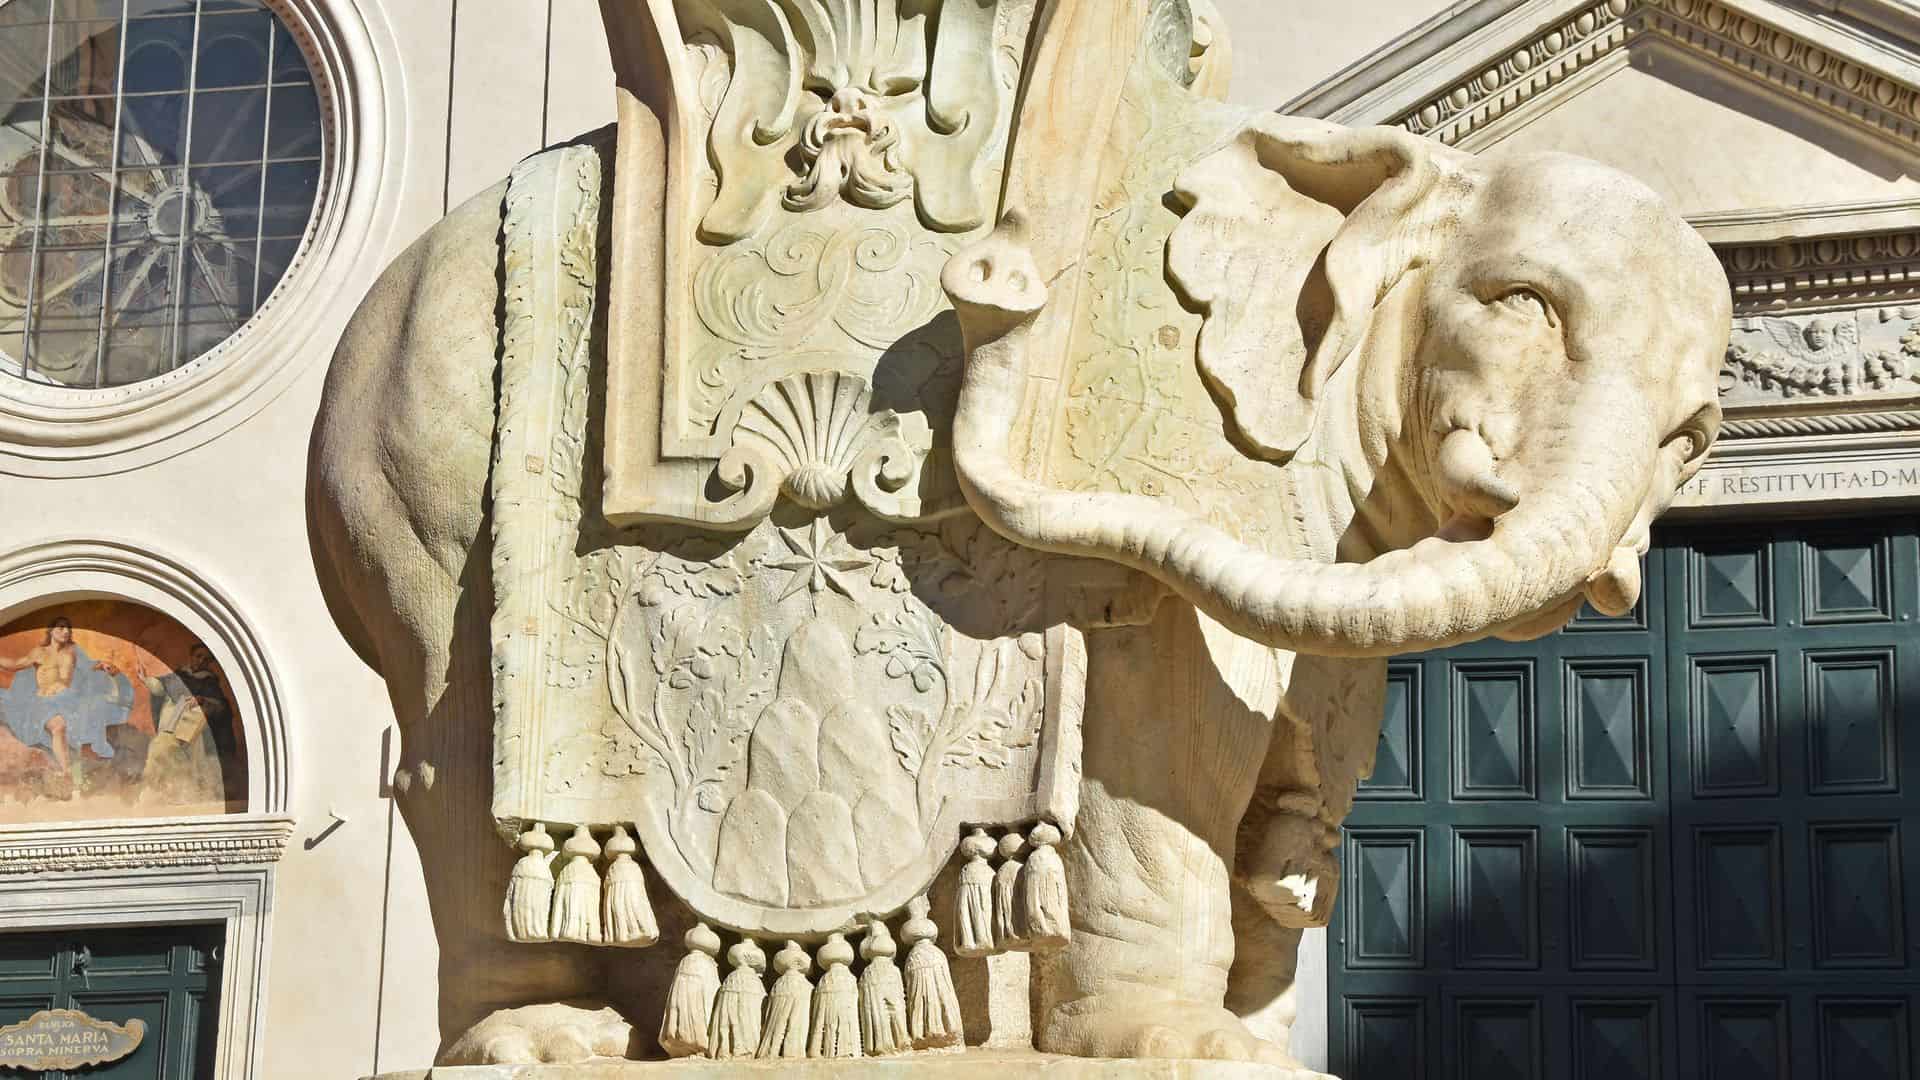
(1435, 593)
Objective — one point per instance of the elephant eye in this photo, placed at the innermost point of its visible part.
(1528, 302)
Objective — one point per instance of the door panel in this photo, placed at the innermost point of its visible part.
(168, 977)
(1676, 843)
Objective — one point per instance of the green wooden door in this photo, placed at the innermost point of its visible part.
(166, 976)
(1675, 844)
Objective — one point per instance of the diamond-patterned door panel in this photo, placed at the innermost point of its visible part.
(1735, 749)
(1618, 1039)
(1678, 844)
(1858, 918)
(1730, 585)
(1497, 1039)
(1739, 906)
(1397, 772)
(1847, 581)
(1606, 729)
(1493, 731)
(1611, 883)
(1850, 725)
(1743, 1039)
(1387, 1036)
(1496, 890)
(1865, 1038)
(1384, 899)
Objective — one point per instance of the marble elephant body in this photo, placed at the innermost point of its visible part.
(1471, 386)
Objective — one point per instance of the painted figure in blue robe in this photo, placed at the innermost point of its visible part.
(64, 700)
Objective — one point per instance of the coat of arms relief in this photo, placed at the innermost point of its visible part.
(682, 669)
(927, 524)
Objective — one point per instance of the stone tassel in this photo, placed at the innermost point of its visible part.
(683, 1030)
(1043, 892)
(836, 1004)
(791, 1006)
(1009, 926)
(576, 894)
(973, 924)
(626, 917)
(933, 1009)
(530, 890)
(883, 998)
(735, 1031)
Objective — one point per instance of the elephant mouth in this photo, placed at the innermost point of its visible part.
(1471, 493)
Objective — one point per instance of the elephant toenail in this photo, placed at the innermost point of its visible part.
(513, 1048)
(1222, 1046)
(1162, 1042)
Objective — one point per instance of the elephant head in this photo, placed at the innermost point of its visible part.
(1524, 349)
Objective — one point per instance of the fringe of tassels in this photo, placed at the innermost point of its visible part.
(894, 1005)
(577, 905)
(1022, 906)
(881, 1011)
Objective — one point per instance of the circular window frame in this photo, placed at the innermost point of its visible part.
(55, 431)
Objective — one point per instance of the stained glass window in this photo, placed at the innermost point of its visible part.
(159, 162)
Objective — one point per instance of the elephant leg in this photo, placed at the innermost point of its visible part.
(1323, 744)
(1177, 721)
(397, 499)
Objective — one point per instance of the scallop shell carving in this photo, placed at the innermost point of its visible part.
(813, 427)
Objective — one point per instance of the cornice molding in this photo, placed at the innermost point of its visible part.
(1847, 423)
(1823, 272)
(1458, 87)
(97, 846)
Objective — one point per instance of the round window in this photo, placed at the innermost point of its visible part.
(159, 162)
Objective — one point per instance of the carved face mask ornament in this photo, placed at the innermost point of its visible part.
(1546, 381)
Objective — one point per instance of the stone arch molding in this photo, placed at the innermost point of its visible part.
(54, 571)
(59, 431)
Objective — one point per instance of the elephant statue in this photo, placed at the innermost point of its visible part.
(1266, 400)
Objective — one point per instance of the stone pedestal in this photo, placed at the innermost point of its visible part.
(972, 1065)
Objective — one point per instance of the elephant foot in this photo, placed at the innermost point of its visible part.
(558, 1034)
(1137, 1026)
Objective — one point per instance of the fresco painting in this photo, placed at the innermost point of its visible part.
(110, 709)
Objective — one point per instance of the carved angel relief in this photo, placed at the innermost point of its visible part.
(1843, 354)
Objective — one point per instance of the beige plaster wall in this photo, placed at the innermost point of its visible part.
(481, 84)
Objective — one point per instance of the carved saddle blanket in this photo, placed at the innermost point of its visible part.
(796, 721)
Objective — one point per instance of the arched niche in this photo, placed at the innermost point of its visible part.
(146, 616)
(170, 868)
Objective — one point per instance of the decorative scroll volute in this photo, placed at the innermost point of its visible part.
(824, 160)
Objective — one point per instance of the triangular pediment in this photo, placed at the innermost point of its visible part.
(1722, 106)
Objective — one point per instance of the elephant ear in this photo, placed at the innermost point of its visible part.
(1293, 232)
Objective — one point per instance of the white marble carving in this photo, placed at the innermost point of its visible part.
(900, 527)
